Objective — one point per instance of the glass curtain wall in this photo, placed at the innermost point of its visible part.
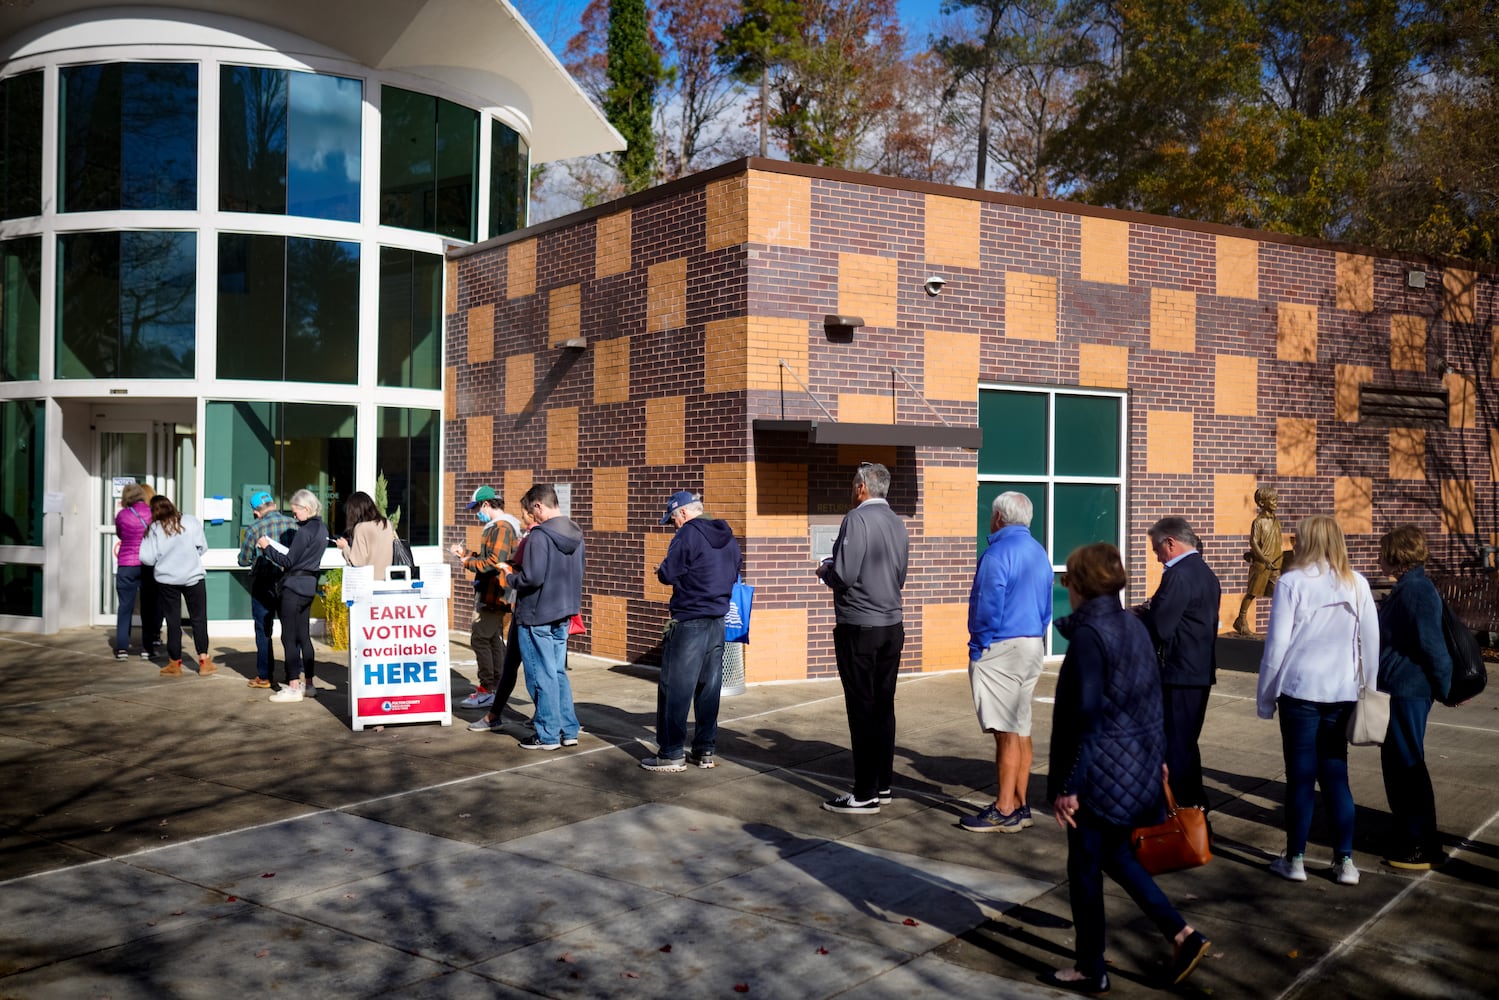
(509, 179)
(22, 428)
(21, 145)
(410, 319)
(408, 453)
(429, 162)
(20, 307)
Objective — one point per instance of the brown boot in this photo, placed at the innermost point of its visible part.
(172, 669)
(205, 665)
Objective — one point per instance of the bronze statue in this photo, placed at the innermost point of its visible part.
(1264, 556)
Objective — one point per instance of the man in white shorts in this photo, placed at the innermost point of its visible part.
(1009, 611)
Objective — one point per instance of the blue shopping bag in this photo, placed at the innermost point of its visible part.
(736, 623)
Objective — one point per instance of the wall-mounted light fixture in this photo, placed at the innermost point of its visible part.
(841, 328)
(1415, 279)
(574, 343)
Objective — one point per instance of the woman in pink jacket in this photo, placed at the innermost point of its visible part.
(131, 523)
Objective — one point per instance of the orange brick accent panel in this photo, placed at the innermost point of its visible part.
(1030, 306)
(517, 482)
(481, 334)
(951, 365)
(1153, 570)
(473, 538)
(746, 352)
(1168, 442)
(1353, 504)
(1103, 366)
(1105, 251)
(726, 495)
(1457, 506)
(1236, 386)
(1238, 271)
(952, 231)
(861, 408)
(1296, 332)
(1173, 320)
(778, 650)
(611, 253)
(611, 496)
(780, 210)
(1459, 295)
(479, 444)
(520, 381)
(607, 626)
(1295, 446)
(450, 287)
(1228, 609)
(450, 392)
(449, 488)
(1407, 342)
(564, 313)
(611, 371)
(944, 637)
(853, 454)
(666, 295)
(947, 501)
(1494, 454)
(866, 288)
(1345, 394)
(1462, 399)
(520, 269)
(1494, 351)
(664, 431)
(777, 493)
(726, 354)
(728, 212)
(1233, 504)
(657, 541)
(1355, 282)
(562, 437)
(1407, 453)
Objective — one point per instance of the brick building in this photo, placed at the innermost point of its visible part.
(757, 330)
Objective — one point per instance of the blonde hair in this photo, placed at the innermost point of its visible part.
(1319, 541)
(308, 499)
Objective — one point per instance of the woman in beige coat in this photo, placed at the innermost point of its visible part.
(370, 540)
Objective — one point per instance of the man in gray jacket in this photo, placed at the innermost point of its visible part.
(867, 571)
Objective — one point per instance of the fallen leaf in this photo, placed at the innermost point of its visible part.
(566, 956)
(631, 975)
(910, 923)
(741, 987)
(268, 875)
(1293, 953)
(822, 951)
(666, 948)
(262, 953)
(232, 899)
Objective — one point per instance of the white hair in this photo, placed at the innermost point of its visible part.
(1014, 508)
(309, 500)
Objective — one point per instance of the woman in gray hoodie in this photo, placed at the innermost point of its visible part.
(174, 547)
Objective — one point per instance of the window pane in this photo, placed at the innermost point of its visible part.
(129, 137)
(20, 308)
(457, 163)
(239, 449)
(1061, 607)
(1087, 436)
(252, 140)
(252, 306)
(22, 426)
(21, 146)
(322, 311)
(1085, 513)
(1014, 433)
(407, 453)
(318, 454)
(21, 590)
(126, 305)
(408, 167)
(1037, 494)
(324, 157)
(410, 319)
(509, 170)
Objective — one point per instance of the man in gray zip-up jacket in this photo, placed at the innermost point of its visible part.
(867, 572)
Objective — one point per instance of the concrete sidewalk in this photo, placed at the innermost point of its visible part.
(184, 837)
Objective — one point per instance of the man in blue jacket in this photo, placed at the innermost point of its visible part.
(701, 566)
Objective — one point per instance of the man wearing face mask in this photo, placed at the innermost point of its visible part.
(487, 634)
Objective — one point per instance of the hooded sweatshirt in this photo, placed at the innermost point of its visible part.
(178, 559)
(701, 566)
(549, 584)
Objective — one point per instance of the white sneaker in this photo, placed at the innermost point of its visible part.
(286, 694)
(480, 698)
(1344, 872)
(309, 690)
(1291, 868)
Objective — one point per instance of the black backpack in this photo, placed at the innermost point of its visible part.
(1469, 675)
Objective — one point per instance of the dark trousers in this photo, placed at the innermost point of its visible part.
(487, 639)
(172, 597)
(504, 685)
(1407, 783)
(1096, 849)
(295, 612)
(691, 677)
(263, 614)
(151, 616)
(1185, 710)
(127, 585)
(868, 661)
(1314, 738)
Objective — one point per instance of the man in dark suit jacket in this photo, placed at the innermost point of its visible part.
(1183, 620)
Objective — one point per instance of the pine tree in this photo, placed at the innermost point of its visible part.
(634, 70)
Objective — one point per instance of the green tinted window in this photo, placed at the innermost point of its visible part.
(1061, 607)
(509, 174)
(1087, 436)
(128, 138)
(1014, 426)
(127, 304)
(429, 153)
(1086, 513)
(21, 145)
(22, 483)
(408, 453)
(1037, 494)
(410, 319)
(20, 308)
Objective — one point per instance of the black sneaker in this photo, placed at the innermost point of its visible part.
(1419, 860)
(534, 743)
(849, 804)
(883, 796)
(705, 759)
(121, 654)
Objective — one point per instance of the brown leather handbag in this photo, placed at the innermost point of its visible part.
(1180, 842)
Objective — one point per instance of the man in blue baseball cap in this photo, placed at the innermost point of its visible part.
(265, 578)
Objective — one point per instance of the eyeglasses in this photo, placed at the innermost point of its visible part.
(1065, 580)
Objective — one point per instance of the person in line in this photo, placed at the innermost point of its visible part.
(1415, 668)
(173, 548)
(300, 561)
(1182, 617)
(265, 579)
(131, 523)
(867, 572)
(548, 592)
(1107, 750)
(701, 566)
(1009, 611)
(491, 610)
(1323, 629)
(369, 540)
(492, 720)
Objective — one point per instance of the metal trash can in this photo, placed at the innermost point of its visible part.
(733, 669)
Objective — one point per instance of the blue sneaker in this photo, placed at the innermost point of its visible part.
(1025, 816)
(991, 820)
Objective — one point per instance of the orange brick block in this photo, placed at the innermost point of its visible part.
(450, 287)
(947, 499)
(780, 209)
(952, 231)
(1459, 295)
(657, 540)
(520, 269)
(863, 408)
(1295, 446)
(950, 363)
(564, 313)
(666, 295)
(562, 437)
(867, 287)
(779, 650)
(517, 482)
(1493, 454)
(1407, 453)
(1173, 320)
(1030, 306)
(450, 392)
(611, 371)
(726, 495)
(450, 490)
(1407, 342)
(1237, 274)
(1169, 443)
(1457, 506)
(1355, 282)
(1296, 332)
(611, 499)
(1105, 250)
(944, 637)
(612, 244)
(1233, 504)
(609, 626)
(479, 444)
(1153, 571)
(1236, 386)
(727, 210)
(777, 495)
(1103, 366)
(520, 382)
(1353, 504)
(480, 334)
(664, 430)
(1346, 390)
(1494, 351)
(771, 339)
(1462, 399)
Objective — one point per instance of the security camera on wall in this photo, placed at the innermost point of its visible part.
(934, 285)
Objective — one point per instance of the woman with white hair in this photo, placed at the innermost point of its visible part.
(300, 560)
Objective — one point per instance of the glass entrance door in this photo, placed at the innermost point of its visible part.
(126, 453)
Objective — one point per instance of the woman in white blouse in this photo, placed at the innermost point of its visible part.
(1323, 623)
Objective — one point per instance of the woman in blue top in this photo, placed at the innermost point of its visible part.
(1415, 668)
(301, 560)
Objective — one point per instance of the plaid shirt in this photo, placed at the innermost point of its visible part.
(496, 545)
(274, 526)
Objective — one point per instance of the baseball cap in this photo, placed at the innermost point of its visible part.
(259, 499)
(481, 494)
(678, 500)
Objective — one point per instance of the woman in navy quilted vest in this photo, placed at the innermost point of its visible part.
(1108, 748)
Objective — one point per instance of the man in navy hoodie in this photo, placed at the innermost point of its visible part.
(701, 566)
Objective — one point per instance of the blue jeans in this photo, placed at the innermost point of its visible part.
(127, 585)
(691, 676)
(543, 653)
(1407, 783)
(264, 617)
(1314, 738)
(1095, 849)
